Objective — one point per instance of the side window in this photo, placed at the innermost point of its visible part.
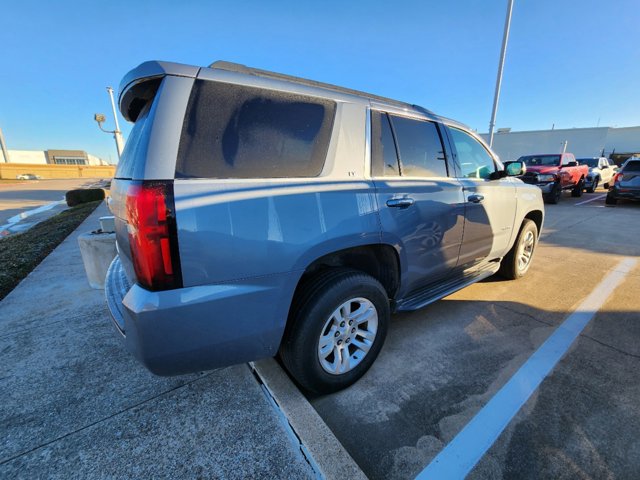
(566, 159)
(235, 131)
(474, 160)
(420, 148)
(384, 158)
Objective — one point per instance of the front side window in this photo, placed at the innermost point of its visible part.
(540, 160)
(474, 159)
(235, 131)
(420, 148)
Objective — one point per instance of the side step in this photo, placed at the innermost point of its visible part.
(433, 293)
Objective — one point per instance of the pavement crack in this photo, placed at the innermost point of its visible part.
(528, 315)
(127, 409)
(611, 346)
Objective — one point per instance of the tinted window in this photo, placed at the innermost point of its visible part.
(632, 167)
(474, 160)
(591, 162)
(233, 131)
(546, 160)
(420, 148)
(135, 150)
(383, 149)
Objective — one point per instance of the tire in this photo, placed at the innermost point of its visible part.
(605, 186)
(320, 314)
(594, 185)
(578, 189)
(610, 200)
(554, 196)
(517, 262)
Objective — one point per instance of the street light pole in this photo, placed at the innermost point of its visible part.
(503, 53)
(117, 134)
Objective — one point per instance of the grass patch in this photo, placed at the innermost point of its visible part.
(21, 253)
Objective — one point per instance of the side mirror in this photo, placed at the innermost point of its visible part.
(604, 167)
(572, 164)
(516, 168)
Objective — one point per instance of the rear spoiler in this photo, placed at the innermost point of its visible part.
(140, 84)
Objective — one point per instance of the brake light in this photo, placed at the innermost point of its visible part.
(618, 177)
(152, 234)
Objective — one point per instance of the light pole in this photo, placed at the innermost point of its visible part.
(503, 53)
(117, 134)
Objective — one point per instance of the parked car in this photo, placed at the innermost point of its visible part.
(601, 170)
(626, 183)
(553, 173)
(259, 214)
(28, 176)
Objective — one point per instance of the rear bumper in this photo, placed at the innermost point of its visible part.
(199, 328)
(628, 193)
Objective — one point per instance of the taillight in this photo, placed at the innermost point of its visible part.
(618, 177)
(152, 234)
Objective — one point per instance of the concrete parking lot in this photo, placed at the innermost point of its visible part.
(74, 404)
(442, 364)
(18, 197)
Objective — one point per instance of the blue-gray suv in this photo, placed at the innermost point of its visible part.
(259, 214)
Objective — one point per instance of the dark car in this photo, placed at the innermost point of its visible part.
(626, 183)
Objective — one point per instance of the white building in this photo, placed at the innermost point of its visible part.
(52, 157)
(616, 143)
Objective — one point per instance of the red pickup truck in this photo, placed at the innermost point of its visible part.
(554, 172)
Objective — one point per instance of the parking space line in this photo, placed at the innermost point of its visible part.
(590, 200)
(466, 449)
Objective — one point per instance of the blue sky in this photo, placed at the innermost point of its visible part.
(572, 63)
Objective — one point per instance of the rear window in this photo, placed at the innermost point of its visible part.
(632, 167)
(136, 146)
(234, 131)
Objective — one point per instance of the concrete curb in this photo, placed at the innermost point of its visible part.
(323, 450)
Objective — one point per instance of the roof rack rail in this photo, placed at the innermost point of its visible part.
(239, 68)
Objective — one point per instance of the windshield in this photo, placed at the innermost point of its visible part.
(592, 162)
(546, 160)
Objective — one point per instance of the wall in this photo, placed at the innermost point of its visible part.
(27, 156)
(583, 142)
(11, 170)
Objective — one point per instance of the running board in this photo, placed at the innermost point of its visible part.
(434, 293)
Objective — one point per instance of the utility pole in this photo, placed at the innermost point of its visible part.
(117, 134)
(5, 152)
(503, 53)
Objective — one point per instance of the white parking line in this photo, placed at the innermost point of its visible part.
(590, 200)
(459, 457)
(21, 216)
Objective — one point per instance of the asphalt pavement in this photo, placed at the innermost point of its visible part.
(442, 364)
(21, 196)
(75, 404)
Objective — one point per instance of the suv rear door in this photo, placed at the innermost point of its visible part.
(421, 205)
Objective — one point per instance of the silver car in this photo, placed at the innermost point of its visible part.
(259, 214)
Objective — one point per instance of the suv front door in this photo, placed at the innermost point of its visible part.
(490, 204)
(421, 206)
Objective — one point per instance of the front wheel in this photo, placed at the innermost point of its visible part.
(338, 324)
(553, 197)
(578, 189)
(593, 186)
(517, 262)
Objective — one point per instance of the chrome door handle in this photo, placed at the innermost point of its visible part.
(475, 198)
(400, 202)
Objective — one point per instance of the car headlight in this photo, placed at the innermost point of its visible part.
(546, 178)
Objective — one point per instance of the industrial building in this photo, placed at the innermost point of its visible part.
(615, 143)
(52, 157)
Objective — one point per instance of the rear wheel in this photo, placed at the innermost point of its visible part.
(517, 262)
(338, 324)
(611, 200)
(578, 189)
(554, 196)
